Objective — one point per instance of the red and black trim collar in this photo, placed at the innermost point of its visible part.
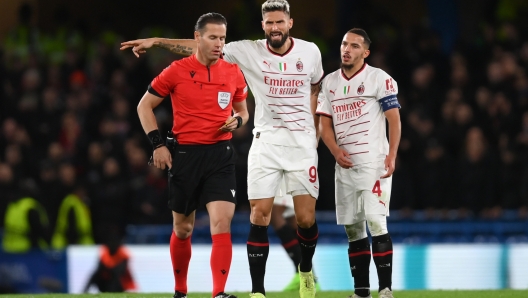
(277, 54)
(357, 72)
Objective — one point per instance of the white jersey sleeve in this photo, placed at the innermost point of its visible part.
(387, 91)
(238, 51)
(318, 71)
(324, 107)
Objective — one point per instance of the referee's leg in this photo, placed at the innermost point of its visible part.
(220, 215)
(180, 248)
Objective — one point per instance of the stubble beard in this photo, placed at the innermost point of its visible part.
(347, 66)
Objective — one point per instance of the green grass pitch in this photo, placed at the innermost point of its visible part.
(323, 294)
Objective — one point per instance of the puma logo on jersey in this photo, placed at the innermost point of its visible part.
(382, 203)
(332, 91)
(267, 63)
(192, 73)
(233, 192)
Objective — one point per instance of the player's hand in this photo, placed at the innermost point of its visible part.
(139, 46)
(230, 125)
(342, 158)
(390, 166)
(162, 157)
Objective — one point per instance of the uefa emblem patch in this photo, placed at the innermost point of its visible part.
(361, 89)
(223, 99)
(299, 65)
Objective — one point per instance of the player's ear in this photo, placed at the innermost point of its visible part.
(366, 54)
(197, 35)
(262, 23)
(291, 23)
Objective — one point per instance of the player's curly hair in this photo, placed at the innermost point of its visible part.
(209, 18)
(276, 5)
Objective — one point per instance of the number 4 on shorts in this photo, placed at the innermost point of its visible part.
(377, 189)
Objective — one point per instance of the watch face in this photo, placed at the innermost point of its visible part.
(156, 139)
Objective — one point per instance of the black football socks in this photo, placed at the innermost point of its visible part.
(290, 243)
(307, 241)
(258, 250)
(359, 259)
(382, 254)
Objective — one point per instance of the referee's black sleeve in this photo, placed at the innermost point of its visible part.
(153, 92)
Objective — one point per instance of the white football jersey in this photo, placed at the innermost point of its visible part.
(281, 85)
(357, 107)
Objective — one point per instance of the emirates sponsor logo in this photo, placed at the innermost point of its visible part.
(283, 82)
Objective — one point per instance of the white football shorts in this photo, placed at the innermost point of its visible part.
(360, 191)
(284, 199)
(268, 164)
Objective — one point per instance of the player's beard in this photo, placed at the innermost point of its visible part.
(276, 44)
(347, 66)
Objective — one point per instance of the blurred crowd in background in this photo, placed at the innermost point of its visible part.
(68, 122)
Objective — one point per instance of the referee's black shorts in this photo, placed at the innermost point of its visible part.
(201, 174)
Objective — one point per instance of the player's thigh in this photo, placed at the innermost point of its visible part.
(304, 206)
(300, 174)
(264, 170)
(349, 205)
(375, 191)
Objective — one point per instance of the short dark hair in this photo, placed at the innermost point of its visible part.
(362, 33)
(209, 18)
(276, 5)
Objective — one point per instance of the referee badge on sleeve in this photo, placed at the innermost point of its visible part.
(223, 99)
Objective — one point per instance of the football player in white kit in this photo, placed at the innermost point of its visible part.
(356, 101)
(283, 74)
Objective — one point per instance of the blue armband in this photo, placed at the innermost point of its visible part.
(389, 102)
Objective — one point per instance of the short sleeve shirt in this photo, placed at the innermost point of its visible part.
(281, 85)
(356, 106)
(201, 96)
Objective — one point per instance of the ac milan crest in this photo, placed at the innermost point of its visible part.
(361, 89)
(299, 65)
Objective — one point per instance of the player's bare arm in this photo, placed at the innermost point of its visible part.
(393, 118)
(341, 156)
(184, 47)
(160, 156)
(314, 94)
(240, 110)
